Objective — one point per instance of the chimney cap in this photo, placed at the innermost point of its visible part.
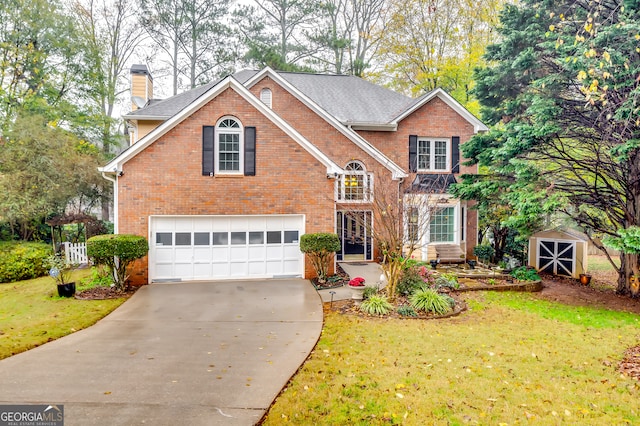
(140, 69)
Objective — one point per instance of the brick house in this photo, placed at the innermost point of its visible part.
(223, 179)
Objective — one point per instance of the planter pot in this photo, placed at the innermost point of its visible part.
(585, 279)
(472, 264)
(66, 290)
(357, 293)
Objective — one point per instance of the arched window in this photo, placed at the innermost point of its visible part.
(265, 96)
(355, 184)
(229, 149)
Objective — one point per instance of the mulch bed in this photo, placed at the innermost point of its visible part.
(349, 307)
(103, 293)
(338, 280)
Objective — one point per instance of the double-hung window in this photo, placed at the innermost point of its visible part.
(434, 155)
(229, 152)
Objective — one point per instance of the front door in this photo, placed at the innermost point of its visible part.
(354, 229)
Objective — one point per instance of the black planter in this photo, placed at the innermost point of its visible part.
(471, 263)
(66, 290)
(434, 264)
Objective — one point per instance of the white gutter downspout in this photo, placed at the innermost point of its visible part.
(115, 200)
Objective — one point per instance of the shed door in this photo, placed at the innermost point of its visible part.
(556, 257)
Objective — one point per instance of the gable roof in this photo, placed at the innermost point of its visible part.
(397, 171)
(478, 126)
(349, 99)
(115, 165)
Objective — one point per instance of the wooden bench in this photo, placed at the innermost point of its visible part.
(448, 253)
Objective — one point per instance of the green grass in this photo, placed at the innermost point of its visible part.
(598, 263)
(32, 313)
(510, 359)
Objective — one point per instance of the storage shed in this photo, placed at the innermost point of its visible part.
(558, 252)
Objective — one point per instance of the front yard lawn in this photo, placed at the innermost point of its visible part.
(511, 359)
(32, 313)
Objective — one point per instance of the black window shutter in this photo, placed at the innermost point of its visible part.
(455, 154)
(249, 151)
(208, 159)
(413, 153)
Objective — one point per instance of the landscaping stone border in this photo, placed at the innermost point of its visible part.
(528, 286)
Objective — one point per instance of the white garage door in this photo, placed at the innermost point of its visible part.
(223, 247)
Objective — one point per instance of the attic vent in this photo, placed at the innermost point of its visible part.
(265, 97)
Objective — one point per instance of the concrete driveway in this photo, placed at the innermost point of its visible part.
(178, 353)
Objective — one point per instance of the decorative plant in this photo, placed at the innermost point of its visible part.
(368, 292)
(407, 311)
(117, 252)
(448, 281)
(430, 300)
(59, 269)
(525, 274)
(320, 248)
(484, 252)
(376, 305)
(356, 282)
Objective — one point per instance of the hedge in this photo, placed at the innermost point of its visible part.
(23, 261)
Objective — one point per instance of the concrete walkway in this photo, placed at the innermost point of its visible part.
(370, 271)
(175, 354)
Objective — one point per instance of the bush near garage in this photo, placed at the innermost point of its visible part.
(22, 261)
(320, 248)
(117, 252)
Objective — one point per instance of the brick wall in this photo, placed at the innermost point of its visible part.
(166, 178)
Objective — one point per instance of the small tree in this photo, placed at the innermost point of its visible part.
(320, 248)
(117, 252)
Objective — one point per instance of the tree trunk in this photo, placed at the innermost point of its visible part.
(629, 262)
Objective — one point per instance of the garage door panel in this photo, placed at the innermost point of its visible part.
(183, 255)
(257, 253)
(164, 255)
(202, 255)
(239, 269)
(202, 270)
(257, 268)
(291, 252)
(274, 253)
(219, 247)
(238, 254)
(164, 271)
(221, 270)
(220, 254)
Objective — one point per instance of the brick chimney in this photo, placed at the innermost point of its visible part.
(141, 86)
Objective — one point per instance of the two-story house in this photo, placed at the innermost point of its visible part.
(225, 178)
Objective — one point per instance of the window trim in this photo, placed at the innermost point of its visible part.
(432, 158)
(367, 183)
(454, 218)
(216, 146)
(266, 96)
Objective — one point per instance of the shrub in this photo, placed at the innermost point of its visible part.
(320, 248)
(524, 273)
(414, 279)
(117, 252)
(429, 300)
(448, 281)
(407, 311)
(368, 292)
(22, 261)
(484, 251)
(376, 305)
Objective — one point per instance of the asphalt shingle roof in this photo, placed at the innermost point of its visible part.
(350, 99)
